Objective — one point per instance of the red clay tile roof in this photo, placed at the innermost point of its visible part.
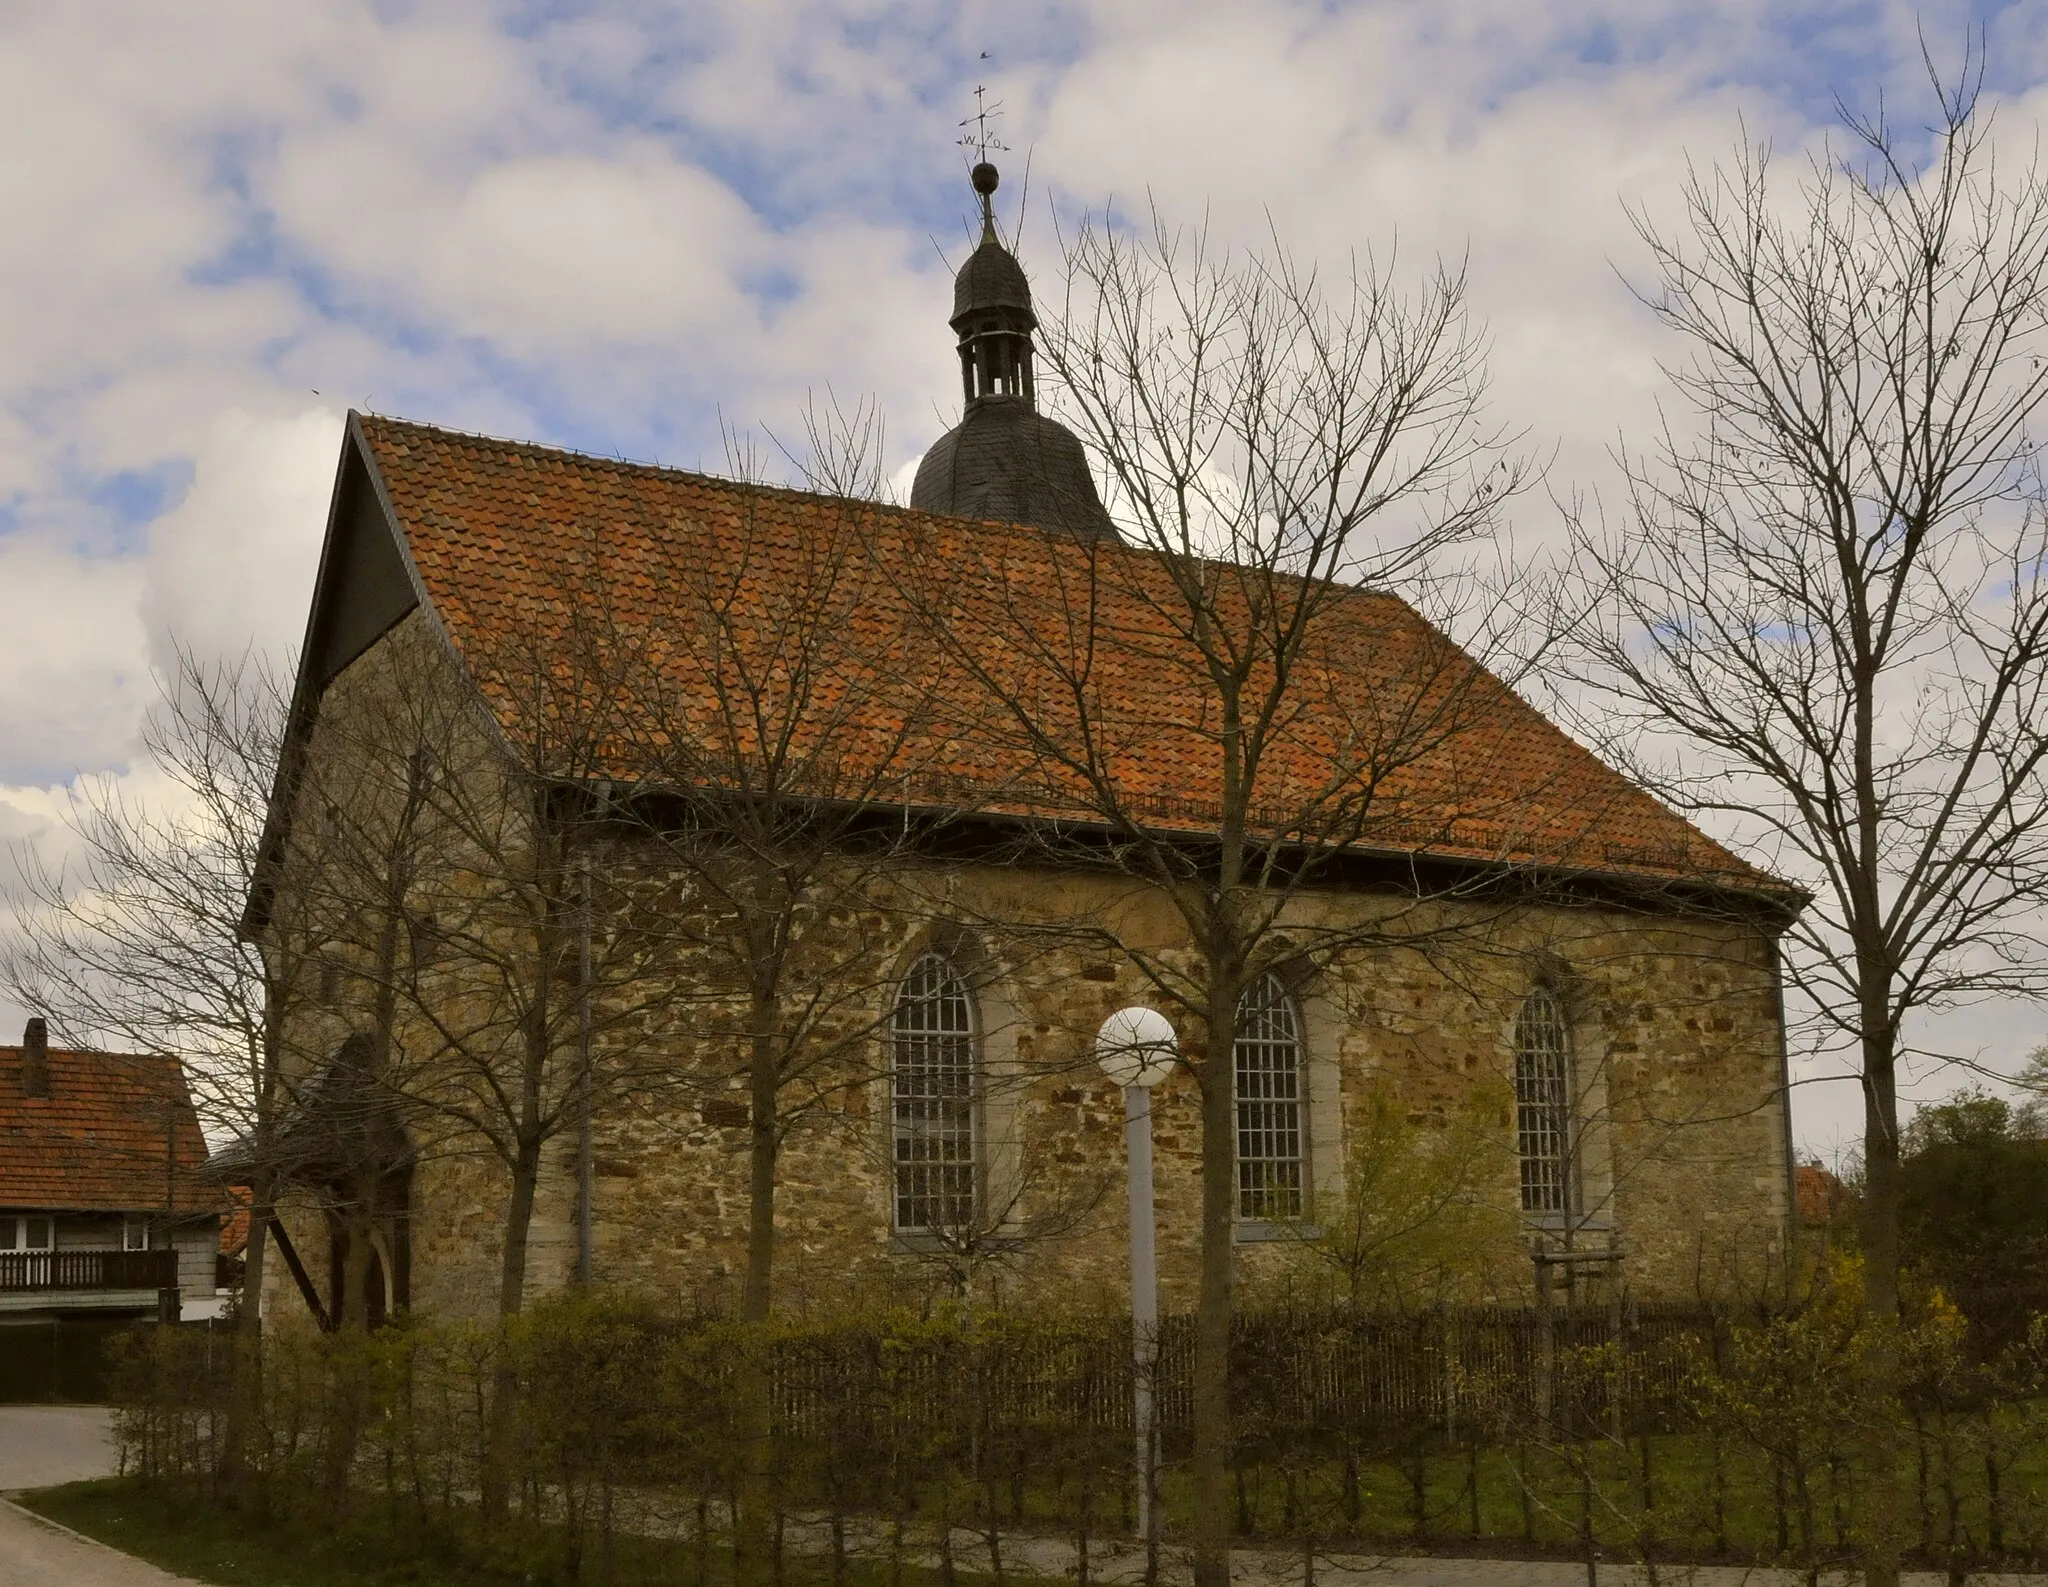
(102, 1141)
(234, 1228)
(512, 537)
(1822, 1197)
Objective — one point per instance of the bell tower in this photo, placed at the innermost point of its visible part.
(992, 310)
(1004, 461)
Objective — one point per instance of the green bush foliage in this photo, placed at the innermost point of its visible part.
(1000, 1445)
(1973, 1186)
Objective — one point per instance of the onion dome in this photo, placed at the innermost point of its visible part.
(1004, 460)
(991, 282)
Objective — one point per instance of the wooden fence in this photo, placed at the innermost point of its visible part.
(1330, 1371)
(87, 1270)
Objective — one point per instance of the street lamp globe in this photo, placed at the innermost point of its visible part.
(1135, 1047)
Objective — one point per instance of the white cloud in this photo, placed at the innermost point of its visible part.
(231, 566)
(30, 814)
(73, 676)
(557, 254)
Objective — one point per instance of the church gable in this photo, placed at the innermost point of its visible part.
(364, 584)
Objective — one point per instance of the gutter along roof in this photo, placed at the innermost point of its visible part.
(516, 547)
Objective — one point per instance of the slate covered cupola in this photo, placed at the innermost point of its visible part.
(1004, 460)
(992, 310)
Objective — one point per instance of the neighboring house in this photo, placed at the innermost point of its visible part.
(104, 1209)
(1612, 1005)
(1823, 1198)
(234, 1238)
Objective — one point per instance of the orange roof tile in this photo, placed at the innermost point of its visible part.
(117, 1133)
(510, 537)
(1822, 1197)
(234, 1228)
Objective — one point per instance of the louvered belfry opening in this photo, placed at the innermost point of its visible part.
(995, 361)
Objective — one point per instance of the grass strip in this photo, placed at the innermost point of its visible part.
(181, 1533)
(189, 1538)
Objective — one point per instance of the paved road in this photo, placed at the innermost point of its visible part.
(1121, 1569)
(41, 1445)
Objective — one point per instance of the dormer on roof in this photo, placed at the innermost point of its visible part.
(1004, 460)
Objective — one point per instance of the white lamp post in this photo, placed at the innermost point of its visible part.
(1136, 1049)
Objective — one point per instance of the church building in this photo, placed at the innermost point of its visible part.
(520, 682)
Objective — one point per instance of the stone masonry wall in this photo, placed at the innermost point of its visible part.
(1675, 1034)
(1676, 1049)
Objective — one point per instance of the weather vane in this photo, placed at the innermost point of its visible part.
(980, 139)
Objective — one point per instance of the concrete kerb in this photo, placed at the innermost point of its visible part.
(12, 1501)
(38, 1552)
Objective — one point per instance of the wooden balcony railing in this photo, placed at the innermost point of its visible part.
(73, 1270)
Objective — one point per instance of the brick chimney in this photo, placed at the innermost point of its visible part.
(35, 1059)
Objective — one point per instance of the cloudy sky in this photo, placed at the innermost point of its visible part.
(222, 224)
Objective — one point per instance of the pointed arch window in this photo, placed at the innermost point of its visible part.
(932, 1098)
(1543, 1104)
(1270, 1180)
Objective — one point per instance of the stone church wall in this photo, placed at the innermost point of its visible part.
(1673, 1018)
(1676, 1043)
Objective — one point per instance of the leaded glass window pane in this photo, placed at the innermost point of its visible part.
(932, 1098)
(1543, 1103)
(1269, 1098)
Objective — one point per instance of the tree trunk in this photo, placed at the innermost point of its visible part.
(1212, 1318)
(538, 1047)
(764, 1102)
(754, 1532)
(518, 1229)
(245, 1399)
(496, 1484)
(1881, 1296)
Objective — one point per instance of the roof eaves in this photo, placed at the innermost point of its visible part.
(1748, 885)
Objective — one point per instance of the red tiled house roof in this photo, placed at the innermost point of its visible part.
(234, 1228)
(1822, 1197)
(117, 1133)
(502, 538)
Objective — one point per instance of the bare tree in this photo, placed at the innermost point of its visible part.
(780, 749)
(843, 451)
(499, 967)
(137, 939)
(497, 975)
(774, 727)
(1825, 620)
(1222, 717)
(1422, 1222)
